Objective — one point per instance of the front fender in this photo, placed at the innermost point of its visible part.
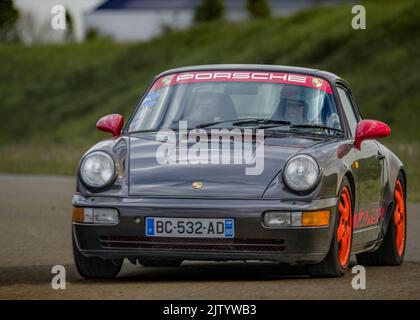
(335, 160)
(117, 148)
(392, 167)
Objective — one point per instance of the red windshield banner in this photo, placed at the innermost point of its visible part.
(243, 76)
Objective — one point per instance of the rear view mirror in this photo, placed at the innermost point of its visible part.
(112, 123)
(370, 129)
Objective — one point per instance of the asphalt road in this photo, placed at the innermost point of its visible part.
(35, 235)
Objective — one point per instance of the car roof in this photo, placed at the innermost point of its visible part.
(331, 77)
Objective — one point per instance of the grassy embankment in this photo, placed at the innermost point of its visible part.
(51, 95)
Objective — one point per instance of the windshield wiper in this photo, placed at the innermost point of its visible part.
(315, 126)
(144, 131)
(156, 130)
(209, 124)
(260, 122)
(238, 122)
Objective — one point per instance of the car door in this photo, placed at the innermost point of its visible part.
(368, 168)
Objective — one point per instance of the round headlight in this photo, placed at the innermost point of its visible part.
(301, 173)
(97, 169)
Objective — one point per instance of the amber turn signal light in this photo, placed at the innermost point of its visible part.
(78, 215)
(316, 218)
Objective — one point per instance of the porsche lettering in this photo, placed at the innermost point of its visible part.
(241, 76)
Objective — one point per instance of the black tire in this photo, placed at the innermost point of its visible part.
(160, 262)
(331, 266)
(387, 253)
(95, 268)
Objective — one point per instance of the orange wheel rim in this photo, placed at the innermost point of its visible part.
(399, 218)
(345, 227)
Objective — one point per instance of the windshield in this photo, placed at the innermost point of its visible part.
(199, 98)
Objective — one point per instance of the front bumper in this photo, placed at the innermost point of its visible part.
(253, 241)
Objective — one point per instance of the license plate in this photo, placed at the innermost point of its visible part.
(189, 228)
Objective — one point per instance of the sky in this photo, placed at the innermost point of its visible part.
(41, 11)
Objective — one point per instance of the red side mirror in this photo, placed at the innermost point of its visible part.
(112, 123)
(370, 129)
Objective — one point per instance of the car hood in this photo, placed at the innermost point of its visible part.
(149, 178)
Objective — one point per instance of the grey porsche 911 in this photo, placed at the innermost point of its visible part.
(240, 162)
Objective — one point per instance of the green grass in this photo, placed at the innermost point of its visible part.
(52, 95)
(410, 156)
(40, 158)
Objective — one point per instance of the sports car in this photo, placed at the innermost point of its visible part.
(240, 162)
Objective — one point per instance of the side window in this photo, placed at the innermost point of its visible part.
(348, 110)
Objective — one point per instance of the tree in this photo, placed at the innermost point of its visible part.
(8, 13)
(8, 18)
(69, 26)
(91, 34)
(258, 8)
(209, 10)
